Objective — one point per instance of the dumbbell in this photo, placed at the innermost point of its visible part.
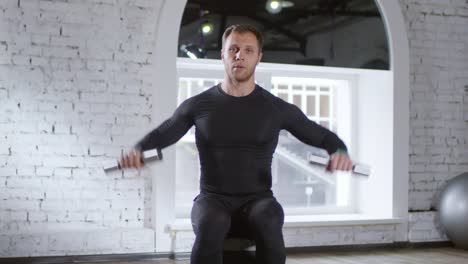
(146, 156)
(358, 168)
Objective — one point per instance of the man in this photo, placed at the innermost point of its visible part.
(237, 127)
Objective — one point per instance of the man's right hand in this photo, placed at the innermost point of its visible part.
(133, 159)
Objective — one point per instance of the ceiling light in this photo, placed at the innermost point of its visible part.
(275, 6)
(207, 28)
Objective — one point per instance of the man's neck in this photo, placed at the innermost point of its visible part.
(238, 88)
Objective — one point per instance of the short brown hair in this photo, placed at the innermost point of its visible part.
(244, 28)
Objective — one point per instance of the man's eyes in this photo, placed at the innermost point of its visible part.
(236, 50)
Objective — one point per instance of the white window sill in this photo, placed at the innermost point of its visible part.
(337, 220)
(184, 224)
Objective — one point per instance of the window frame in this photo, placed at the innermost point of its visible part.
(265, 72)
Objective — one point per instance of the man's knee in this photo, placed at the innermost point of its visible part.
(266, 214)
(208, 218)
(215, 225)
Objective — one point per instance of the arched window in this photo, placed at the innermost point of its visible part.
(378, 102)
(300, 36)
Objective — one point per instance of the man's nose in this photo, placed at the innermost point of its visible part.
(239, 55)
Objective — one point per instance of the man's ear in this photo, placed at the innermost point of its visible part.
(222, 55)
(259, 57)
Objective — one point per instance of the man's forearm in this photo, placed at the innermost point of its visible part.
(332, 143)
(150, 141)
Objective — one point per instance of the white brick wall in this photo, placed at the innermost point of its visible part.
(424, 226)
(74, 90)
(97, 241)
(72, 79)
(437, 32)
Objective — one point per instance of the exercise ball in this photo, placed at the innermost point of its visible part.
(453, 210)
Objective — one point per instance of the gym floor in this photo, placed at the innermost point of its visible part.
(441, 255)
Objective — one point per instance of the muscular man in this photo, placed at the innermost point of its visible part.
(237, 127)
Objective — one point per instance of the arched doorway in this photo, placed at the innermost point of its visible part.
(165, 101)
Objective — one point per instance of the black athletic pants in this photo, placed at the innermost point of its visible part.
(261, 214)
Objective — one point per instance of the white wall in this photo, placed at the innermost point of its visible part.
(75, 88)
(437, 32)
(439, 64)
(374, 107)
(74, 91)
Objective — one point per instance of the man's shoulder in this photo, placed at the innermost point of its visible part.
(206, 93)
(201, 96)
(277, 101)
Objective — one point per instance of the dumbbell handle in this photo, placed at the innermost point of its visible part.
(146, 156)
(358, 168)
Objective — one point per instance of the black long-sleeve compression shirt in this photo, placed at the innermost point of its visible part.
(237, 136)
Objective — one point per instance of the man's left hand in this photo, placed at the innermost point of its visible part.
(340, 161)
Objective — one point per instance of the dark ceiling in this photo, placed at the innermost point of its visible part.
(286, 31)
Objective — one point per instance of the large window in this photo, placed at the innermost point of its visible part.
(301, 187)
(298, 39)
(379, 135)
